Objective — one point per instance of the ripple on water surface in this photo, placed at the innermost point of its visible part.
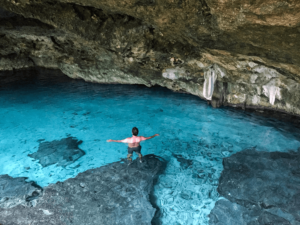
(193, 137)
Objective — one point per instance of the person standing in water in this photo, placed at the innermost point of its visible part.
(134, 144)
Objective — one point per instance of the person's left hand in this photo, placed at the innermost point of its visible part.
(109, 140)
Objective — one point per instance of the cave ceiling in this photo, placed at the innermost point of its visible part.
(241, 53)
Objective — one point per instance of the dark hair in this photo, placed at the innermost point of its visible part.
(135, 131)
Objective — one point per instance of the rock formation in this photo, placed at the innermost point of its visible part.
(260, 188)
(16, 191)
(62, 153)
(241, 53)
(112, 194)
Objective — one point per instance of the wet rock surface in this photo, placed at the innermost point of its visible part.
(63, 152)
(260, 188)
(16, 191)
(112, 194)
(238, 53)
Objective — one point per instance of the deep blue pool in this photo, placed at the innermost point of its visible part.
(194, 137)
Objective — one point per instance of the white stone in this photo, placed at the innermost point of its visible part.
(252, 64)
(208, 88)
(219, 71)
(173, 74)
(258, 89)
(255, 100)
(200, 64)
(253, 78)
(272, 91)
(226, 153)
(46, 212)
(268, 73)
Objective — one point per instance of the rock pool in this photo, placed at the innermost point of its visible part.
(41, 108)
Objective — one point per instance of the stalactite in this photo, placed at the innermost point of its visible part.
(272, 91)
(208, 88)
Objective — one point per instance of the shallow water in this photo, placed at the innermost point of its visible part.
(193, 136)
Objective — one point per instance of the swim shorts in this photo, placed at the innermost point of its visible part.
(134, 149)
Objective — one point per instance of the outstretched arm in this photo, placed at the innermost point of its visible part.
(147, 138)
(123, 141)
(110, 140)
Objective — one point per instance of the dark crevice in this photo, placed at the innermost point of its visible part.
(205, 9)
(267, 112)
(20, 21)
(31, 60)
(82, 12)
(53, 39)
(11, 56)
(145, 2)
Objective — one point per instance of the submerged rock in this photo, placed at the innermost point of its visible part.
(184, 163)
(261, 188)
(226, 212)
(63, 152)
(16, 191)
(112, 194)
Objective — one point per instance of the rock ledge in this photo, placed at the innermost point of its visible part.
(260, 187)
(112, 194)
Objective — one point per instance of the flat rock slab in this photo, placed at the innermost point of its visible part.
(112, 194)
(16, 191)
(63, 152)
(260, 187)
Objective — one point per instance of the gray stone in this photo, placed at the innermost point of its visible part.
(261, 188)
(16, 191)
(226, 212)
(63, 152)
(113, 194)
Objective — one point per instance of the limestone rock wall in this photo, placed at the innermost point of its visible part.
(241, 53)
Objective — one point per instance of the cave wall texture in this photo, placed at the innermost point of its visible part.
(242, 53)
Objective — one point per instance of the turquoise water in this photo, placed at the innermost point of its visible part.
(193, 136)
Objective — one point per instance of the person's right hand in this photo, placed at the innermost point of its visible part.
(109, 140)
(156, 134)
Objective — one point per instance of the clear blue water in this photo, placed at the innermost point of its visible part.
(193, 136)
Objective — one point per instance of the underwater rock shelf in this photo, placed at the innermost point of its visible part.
(112, 194)
(63, 152)
(260, 187)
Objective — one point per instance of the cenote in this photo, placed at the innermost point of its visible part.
(38, 109)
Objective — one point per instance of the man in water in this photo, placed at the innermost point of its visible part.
(134, 144)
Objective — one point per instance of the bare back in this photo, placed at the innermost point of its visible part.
(134, 141)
